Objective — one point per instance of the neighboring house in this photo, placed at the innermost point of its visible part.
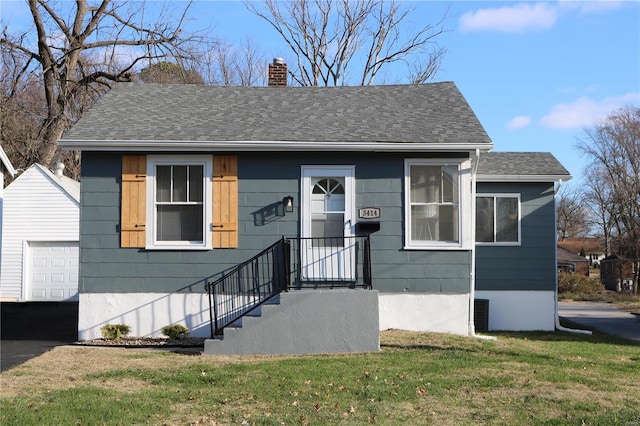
(40, 237)
(617, 274)
(593, 248)
(182, 182)
(572, 263)
(5, 167)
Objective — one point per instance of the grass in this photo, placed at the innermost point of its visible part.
(417, 378)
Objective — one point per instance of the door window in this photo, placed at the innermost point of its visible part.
(328, 211)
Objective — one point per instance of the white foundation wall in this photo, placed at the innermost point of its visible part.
(440, 313)
(520, 310)
(145, 313)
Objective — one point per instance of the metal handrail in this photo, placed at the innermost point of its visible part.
(247, 286)
(289, 263)
(321, 262)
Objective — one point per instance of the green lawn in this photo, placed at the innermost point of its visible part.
(417, 378)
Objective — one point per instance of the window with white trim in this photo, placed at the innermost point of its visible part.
(434, 214)
(179, 202)
(498, 219)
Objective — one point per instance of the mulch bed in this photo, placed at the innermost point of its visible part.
(146, 342)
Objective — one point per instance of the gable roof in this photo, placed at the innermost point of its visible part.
(520, 166)
(566, 256)
(156, 117)
(68, 185)
(590, 245)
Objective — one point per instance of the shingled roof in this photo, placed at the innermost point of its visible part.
(433, 114)
(531, 166)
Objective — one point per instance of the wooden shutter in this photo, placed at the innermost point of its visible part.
(134, 196)
(225, 201)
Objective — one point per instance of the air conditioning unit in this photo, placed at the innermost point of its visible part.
(481, 314)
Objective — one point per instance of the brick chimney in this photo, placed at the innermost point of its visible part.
(278, 73)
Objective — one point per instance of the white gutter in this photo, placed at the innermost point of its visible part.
(472, 284)
(556, 314)
(522, 178)
(193, 146)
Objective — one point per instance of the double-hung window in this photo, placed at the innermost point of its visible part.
(434, 216)
(498, 219)
(179, 202)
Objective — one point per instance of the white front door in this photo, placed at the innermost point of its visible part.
(327, 218)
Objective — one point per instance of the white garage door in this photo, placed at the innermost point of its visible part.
(54, 271)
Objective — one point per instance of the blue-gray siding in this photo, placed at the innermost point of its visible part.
(531, 265)
(263, 179)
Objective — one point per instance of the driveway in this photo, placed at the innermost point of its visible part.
(29, 329)
(602, 317)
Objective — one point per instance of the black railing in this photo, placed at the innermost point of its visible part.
(247, 286)
(290, 263)
(330, 262)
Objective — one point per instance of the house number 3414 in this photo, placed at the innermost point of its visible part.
(369, 213)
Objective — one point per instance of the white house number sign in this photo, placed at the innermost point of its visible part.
(369, 213)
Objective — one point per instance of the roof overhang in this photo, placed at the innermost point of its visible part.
(193, 146)
(7, 164)
(522, 178)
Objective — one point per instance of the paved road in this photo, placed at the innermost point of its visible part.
(602, 317)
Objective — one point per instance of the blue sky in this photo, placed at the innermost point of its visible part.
(535, 73)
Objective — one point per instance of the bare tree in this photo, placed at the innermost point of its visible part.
(227, 65)
(598, 201)
(84, 48)
(22, 108)
(169, 72)
(613, 147)
(351, 42)
(572, 215)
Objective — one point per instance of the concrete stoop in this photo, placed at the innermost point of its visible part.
(306, 322)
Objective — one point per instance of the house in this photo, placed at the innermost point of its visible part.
(40, 237)
(183, 182)
(572, 263)
(592, 247)
(616, 273)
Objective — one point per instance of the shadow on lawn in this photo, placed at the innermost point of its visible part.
(597, 337)
(543, 336)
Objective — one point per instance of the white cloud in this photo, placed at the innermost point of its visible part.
(519, 122)
(511, 19)
(589, 6)
(585, 111)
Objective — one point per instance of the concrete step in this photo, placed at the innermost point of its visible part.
(306, 321)
(254, 313)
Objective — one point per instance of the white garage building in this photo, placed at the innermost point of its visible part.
(40, 237)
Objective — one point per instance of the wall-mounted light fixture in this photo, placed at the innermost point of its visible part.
(287, 202)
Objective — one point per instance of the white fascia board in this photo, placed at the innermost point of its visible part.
(67, 185)
(186, 146)
(7, 164)
(523, 178)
